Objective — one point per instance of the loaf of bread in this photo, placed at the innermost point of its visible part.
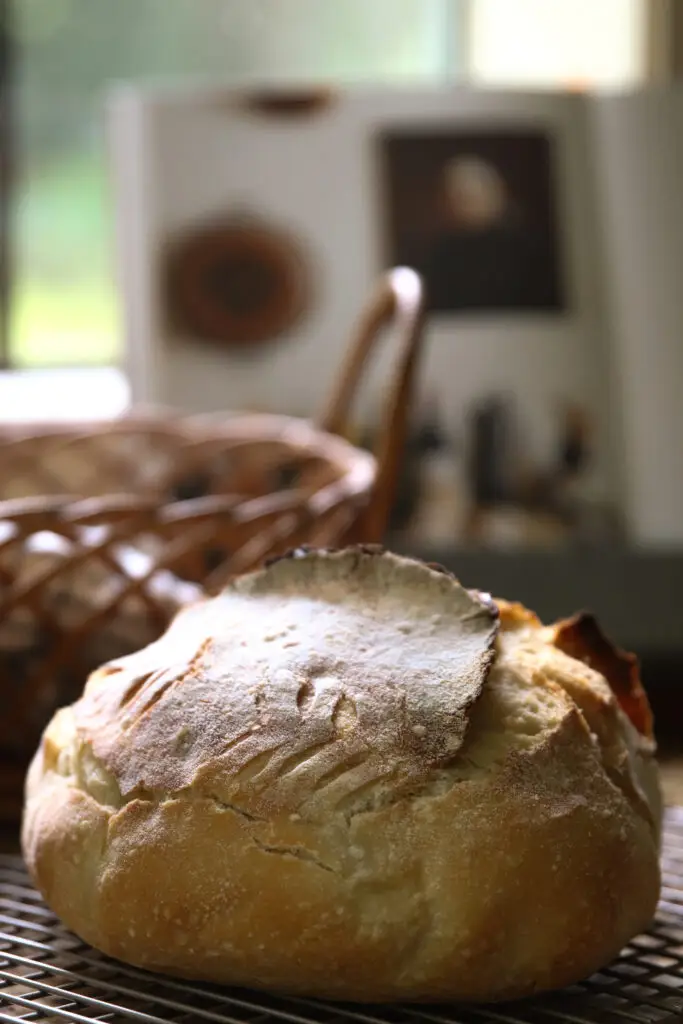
(348, 776)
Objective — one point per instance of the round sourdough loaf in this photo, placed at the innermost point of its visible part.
(349, 777)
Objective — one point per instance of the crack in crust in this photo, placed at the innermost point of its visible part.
(297, 852)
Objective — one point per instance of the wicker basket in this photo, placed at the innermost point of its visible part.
(106, 529)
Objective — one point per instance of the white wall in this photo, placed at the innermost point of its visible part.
(639, 147)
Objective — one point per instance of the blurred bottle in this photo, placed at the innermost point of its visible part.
(438, 519)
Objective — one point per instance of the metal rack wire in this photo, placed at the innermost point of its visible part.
(47, 974)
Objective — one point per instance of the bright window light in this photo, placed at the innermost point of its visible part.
(560, 43)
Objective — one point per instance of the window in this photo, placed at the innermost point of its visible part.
(565, 43)
(67, 54)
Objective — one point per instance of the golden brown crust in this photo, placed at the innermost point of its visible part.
(581, 637)
(194, 815)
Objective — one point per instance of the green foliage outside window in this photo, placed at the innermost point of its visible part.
(64, 310)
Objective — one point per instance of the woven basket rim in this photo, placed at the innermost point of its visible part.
(357, 467)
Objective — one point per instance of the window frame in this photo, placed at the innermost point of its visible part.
(7, 154)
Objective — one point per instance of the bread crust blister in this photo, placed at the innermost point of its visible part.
(348, 776)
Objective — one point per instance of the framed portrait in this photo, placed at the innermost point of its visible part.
(475, 212)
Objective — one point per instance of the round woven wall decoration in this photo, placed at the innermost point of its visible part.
(236, 283)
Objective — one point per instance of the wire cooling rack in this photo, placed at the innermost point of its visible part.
(47, 974)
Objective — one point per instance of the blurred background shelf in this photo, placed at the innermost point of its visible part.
(637, 595)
